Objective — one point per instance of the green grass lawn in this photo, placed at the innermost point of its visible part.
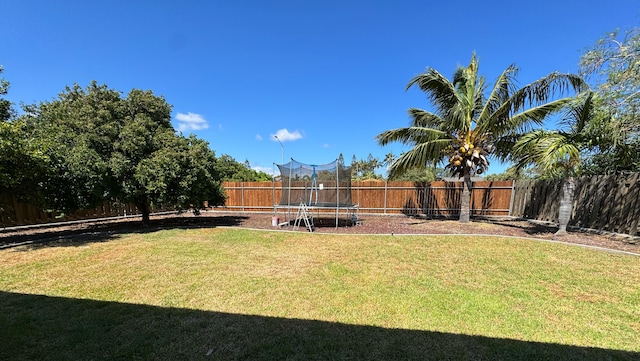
(235, 294)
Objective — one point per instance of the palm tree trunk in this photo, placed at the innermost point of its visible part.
(566, 205)
(465, 200)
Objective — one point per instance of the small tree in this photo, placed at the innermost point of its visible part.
(558, 153)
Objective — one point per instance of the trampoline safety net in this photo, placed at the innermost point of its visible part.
(324, 185)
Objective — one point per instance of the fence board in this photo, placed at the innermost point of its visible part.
(598, 196)
(613, 221)
(630, 204)
(524, 189)
(585, 190)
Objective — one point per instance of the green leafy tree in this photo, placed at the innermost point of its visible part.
(468, 122)
(558, 153)
(613, 65)
(180, 172)
(153, 165)
(365, 168)
(426, 174)
(22, 165)
(6, 110)
(77, 133)
(512, 173)
(103, 146)
(231, 170)
(613, 62)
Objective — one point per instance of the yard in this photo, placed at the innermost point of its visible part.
(218, 293)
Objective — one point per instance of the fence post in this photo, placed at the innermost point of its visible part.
(273, 195)
(242, 194)
(384, 208)
(513, 191)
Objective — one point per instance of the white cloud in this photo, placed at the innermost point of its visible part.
(258, 137)
(284, 135)
(191, 121)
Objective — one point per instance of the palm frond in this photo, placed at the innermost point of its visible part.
(458, 76)
(419, 156)
(547, 149)
(503, 87)
(439, 90)
(503, 146)
(541, 90)
(410, 135)
(530, 148)
(423, 118)
(523, 120)
(470, 90)
(579, 112)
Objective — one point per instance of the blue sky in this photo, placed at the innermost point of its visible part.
(324, 76)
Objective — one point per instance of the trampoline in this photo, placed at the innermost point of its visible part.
(310, 188)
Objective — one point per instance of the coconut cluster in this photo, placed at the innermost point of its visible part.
(469, 155)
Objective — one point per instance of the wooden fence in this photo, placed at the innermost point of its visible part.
(608, 203)
(434, 198)
(14, 213)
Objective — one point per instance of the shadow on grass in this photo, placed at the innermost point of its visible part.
(34, 327)
(85, 233)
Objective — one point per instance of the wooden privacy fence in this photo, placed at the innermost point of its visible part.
(433, 199)
(608, 203)
(14, 213)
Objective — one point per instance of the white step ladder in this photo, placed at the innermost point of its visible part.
(303, 215)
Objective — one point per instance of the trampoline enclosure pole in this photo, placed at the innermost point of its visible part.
(338, 165)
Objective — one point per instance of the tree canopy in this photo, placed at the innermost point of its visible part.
(21, 163)
(613, 66)
(232, 171)
(364, 169)
(5, 105)
(102, 146)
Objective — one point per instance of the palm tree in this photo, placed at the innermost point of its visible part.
(467, 122)
(557, 153)
(388, 159)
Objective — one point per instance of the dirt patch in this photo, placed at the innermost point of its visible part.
(368, 224)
